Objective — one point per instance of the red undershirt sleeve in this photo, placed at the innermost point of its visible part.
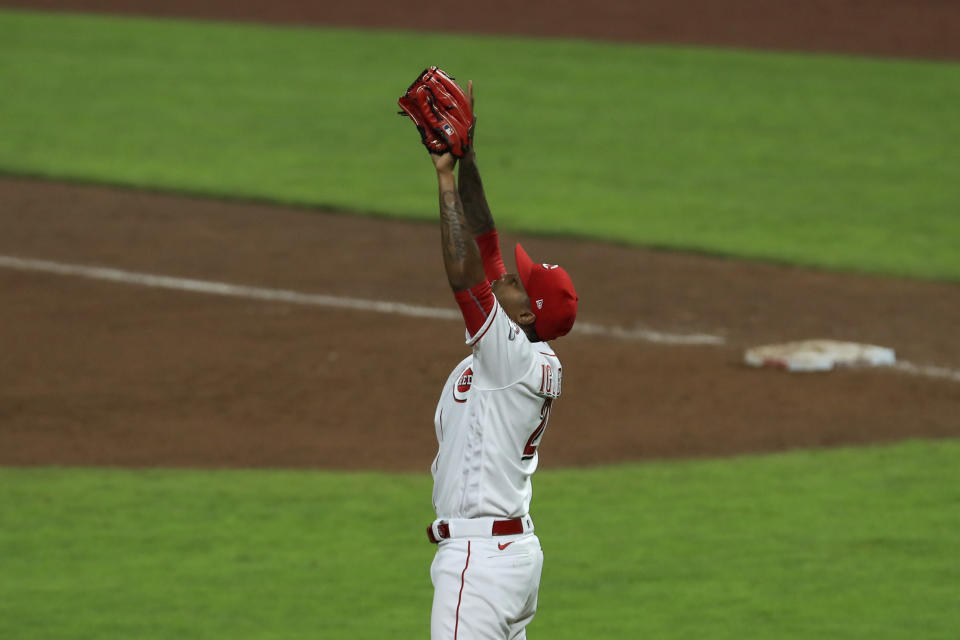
(489, 245)
(476, 304)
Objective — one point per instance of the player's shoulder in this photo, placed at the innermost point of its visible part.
(546, 353)
(547, 374)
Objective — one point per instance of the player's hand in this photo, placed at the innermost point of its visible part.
(445, 162)
(441, 111)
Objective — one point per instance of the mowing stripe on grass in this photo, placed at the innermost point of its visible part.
(841, 163)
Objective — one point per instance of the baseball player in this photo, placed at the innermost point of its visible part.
(492, 414)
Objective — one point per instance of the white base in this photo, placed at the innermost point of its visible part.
(818, 355)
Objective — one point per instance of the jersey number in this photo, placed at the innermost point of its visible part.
(530, 449)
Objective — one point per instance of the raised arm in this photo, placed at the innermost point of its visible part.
(474, 200)
(475, 207)
(461, 257)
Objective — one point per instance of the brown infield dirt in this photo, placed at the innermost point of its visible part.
(100, 373)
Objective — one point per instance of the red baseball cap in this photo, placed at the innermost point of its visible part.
(552, 296)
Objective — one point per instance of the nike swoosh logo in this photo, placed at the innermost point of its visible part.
(505, 545)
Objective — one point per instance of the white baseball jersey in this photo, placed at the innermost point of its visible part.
(490, 420)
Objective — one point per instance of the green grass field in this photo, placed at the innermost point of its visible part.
(833, 161)
(850, 543)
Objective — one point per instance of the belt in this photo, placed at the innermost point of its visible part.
(477, 528)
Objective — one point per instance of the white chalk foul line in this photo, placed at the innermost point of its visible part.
(379, 306)
(223, 288)
(927, 371)
(646, 335)
(319, 300)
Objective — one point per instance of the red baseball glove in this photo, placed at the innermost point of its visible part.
(441, 111)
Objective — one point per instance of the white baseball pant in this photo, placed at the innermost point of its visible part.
(485, 588)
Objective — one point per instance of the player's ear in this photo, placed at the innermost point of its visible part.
(526, 318)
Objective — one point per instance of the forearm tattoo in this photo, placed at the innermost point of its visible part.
(451, 227)
(474, 200)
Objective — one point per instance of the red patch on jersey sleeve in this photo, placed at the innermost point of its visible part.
(464, 382)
